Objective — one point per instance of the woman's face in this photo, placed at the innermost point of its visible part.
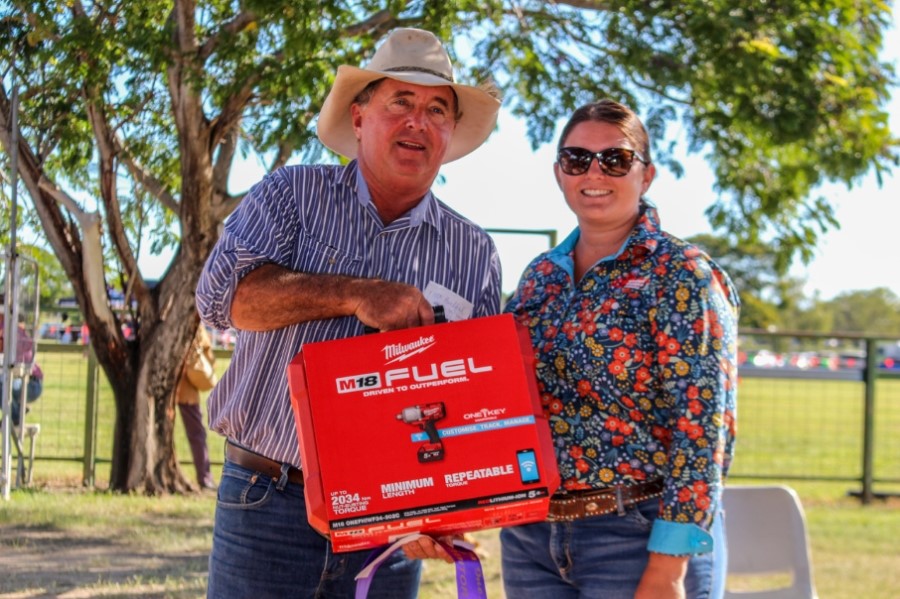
(601, 201)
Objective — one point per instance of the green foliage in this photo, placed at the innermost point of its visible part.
(769, 297)
(781, 97)
(767, 293)
(136, 110)
(757, 313)
(50, 279)
(875, 311)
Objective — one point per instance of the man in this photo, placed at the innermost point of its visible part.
(320, 252)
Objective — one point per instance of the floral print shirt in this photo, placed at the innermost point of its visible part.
(636, 366)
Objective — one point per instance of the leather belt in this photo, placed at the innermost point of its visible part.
(584, 504)
(260, 463)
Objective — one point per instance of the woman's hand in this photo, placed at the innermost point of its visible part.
(663, 578)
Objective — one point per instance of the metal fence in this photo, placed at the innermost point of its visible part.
(823, 407)
(819, 406)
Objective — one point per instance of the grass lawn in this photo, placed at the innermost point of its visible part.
(57, 538)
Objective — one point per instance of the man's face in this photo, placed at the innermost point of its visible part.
(403, 133)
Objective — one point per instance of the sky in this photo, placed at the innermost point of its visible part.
(506, 185)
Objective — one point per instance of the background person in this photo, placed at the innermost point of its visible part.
(24, 355)
(197, 375)
(316, 253)
(635, 335)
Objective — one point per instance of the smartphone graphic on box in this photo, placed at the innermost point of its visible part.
(528, 469)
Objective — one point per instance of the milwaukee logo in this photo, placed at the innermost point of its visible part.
(397, 352)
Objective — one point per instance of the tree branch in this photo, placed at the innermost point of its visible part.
(92, 254)
(184, 35)
(186, 103)
(284, 153)
(145, 177)
(586, 4)
(107, 150)
(230, 203)
(232, 110)
(77, 255)
(378, 23)
(240, 22)
(222, 165)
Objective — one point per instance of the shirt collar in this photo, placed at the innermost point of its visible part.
(426, 211)
(642, 240)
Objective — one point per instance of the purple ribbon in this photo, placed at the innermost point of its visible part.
(469, 576)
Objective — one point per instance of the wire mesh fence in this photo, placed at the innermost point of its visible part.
(807, 409)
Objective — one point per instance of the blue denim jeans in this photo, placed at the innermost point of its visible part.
(263, 546)
(596, 558)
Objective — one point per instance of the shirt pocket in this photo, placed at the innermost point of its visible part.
(324, 256)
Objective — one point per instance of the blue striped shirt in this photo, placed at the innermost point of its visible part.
(320, 219)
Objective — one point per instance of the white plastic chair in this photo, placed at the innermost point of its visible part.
(765, 528)
(24, 473)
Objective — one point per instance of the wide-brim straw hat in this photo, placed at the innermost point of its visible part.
(414, 56)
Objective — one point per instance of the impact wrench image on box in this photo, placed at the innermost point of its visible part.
(425, 418)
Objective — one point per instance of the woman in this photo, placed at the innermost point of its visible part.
(635, 336)
(197, 375)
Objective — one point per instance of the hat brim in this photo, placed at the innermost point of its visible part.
(335, 127)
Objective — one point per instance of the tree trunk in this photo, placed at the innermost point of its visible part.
(142, 370)
(144, 458)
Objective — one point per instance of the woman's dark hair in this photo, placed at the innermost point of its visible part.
(610, 111)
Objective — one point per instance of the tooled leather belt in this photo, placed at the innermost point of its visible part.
(254, 461)
(584, 504)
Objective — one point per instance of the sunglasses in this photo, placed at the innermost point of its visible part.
(615, 162)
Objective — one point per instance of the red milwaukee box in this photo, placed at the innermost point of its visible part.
(435, 429)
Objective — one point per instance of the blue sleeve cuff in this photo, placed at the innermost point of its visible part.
(672, 538)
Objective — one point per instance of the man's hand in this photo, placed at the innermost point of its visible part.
(386, 305)
(427, 548)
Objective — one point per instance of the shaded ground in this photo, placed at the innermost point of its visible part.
(40, 562)
(112, 561)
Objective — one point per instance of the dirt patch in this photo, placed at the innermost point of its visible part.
(52, 563)
(65, 543)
